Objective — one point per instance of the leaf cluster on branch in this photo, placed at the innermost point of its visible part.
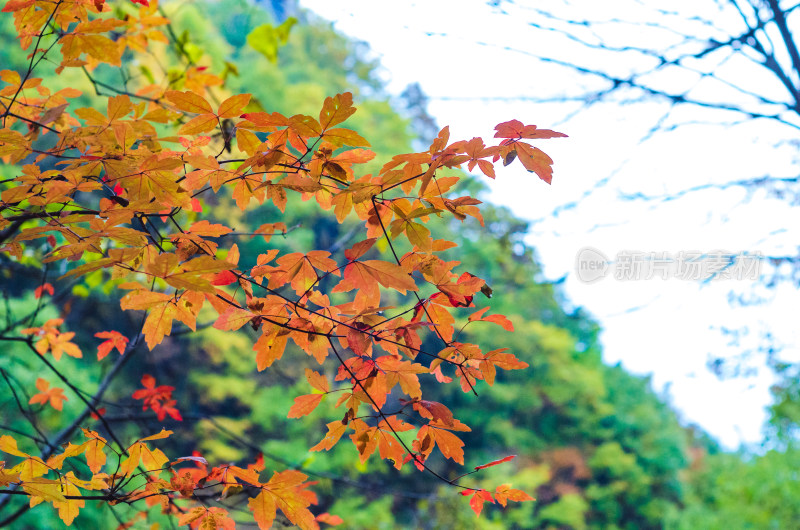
(123, 188)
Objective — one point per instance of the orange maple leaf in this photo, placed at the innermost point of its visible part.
(300, 270)
(478, 498)
(304, 405)
(333, 520)
(336, 109)
(367, 275)
(335, 431)
(207, 518)
(516, 129)
(53, 340)
(55, 396)
(284, 491)
(115, 340)
(94, 450)
(505, 493)
(206, 119)
(449, 444)
(500, 320)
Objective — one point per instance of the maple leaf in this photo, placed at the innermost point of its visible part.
(317, 380)
(163, 311)
(68, 508)
(300, 270)
(359, 249)
(184, 483)
(535, 160)
(193, 274)
(339, 137)
(333, 520)
(159, 399)
(479, 497)
(335, 110)
(162, 408)
(365, 438)
(389, 447)
(366, 275)
(93, 451)
(44, 490)
(186, 480)
(267, 230)
(436, 312)
(224, 278)
(335, 431)
(150, 392)
(7, 477)
(448, 443)
(499, 359)
(403, 372)
(495, 462)
(42, 289)
(433, 411)
(140, 454)
(233, 318)
(264, 509)
(205, 228)
(405, 213)
(304, 405)
(359, 342)
(115, 339)
(515, 129)
(284, 491)
(53, 340)
(194, 103)
(86, 38)
(476, 151)
(461, 292)
(55, 396)
(505, 493)
(207, 518)
(270, 347)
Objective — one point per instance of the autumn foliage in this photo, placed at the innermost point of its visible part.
(122, 189)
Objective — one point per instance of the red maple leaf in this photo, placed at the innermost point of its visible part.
(159, 399)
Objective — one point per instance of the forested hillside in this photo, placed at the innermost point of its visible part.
(594, 444)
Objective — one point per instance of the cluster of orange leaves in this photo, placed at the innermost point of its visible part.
(139, 228)
(286, 491)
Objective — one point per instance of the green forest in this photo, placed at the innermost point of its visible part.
(595, 445)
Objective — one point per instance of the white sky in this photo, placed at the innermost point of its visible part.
(664, 328)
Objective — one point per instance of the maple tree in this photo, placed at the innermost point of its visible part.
(122, 189)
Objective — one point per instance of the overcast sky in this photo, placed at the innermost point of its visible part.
(461, 52)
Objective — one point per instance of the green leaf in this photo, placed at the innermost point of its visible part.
(230, 69)
(80, 291)
(193, 51)
(267, 39)
(147, 73)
